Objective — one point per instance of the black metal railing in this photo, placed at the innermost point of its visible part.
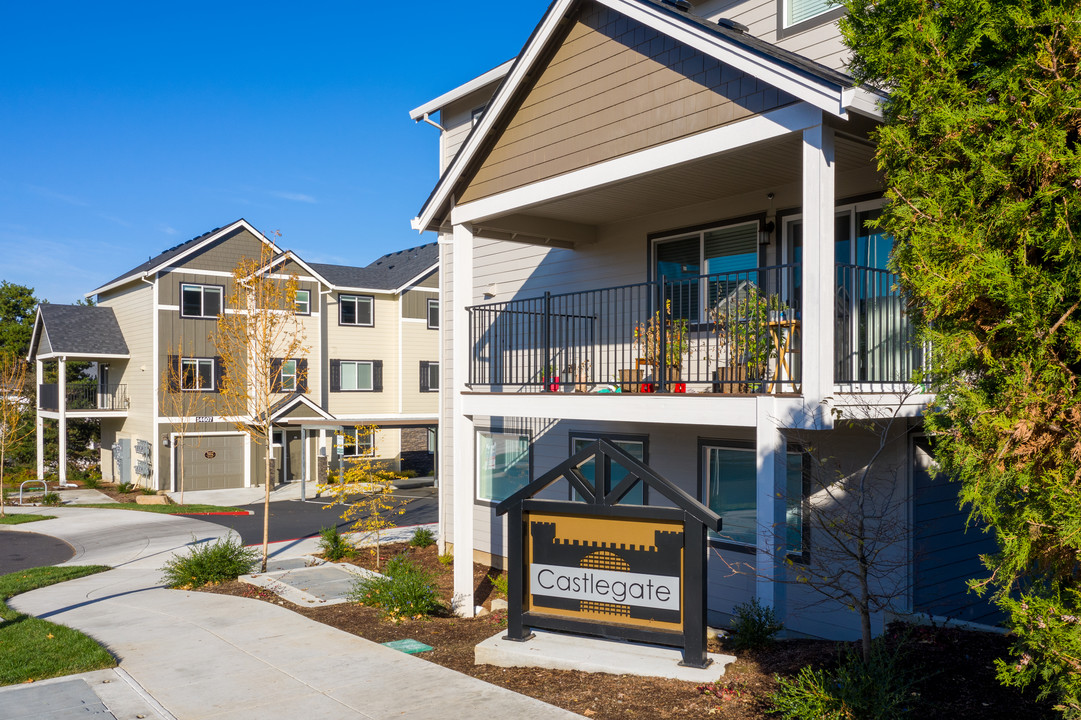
(85, 396)
(727, 332)
(874, 341)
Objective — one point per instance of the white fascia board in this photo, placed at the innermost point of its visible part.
(177, 258)
(515, 76)
(824, 95)
(38, 322)
(675, 409)
(388, 417)
(301, 400)
(821, 94)
(290, 255)
(493, 75)
(789, 119)
(85, 356)
(864, 102)
(420, 276)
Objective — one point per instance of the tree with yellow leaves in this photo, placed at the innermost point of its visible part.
(14, 409)
(256, 330)
(367, 490)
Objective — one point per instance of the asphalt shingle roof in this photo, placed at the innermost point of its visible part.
(82, 330)
(389, 272)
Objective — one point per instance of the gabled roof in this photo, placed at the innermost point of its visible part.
(461, 91)
(78, 330)
(291, 402)
(829, 90)
(178, 252)
(391, 273)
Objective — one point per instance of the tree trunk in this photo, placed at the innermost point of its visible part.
(266, 499)
(3, 452)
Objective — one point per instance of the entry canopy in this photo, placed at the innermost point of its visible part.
(604, 454)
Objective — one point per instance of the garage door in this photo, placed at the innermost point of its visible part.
(213, 463)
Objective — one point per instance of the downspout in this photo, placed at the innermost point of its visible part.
(431, 122)
(155, 445)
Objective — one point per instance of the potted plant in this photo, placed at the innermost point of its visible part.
(742, 322)
(676, 340)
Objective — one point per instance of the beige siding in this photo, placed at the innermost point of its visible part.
(380, 342)
(133, 306)
(418, 344)
(614, 87)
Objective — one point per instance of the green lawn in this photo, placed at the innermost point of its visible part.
(166, 509)
(19, 519)
(33, 649)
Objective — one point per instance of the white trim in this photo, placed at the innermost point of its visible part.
(346, 419)
(230, 419)
(155, 453)
(820, 93)
(301, 400)
(419, 288)
(416, 279)
(415, 320)
(401, 354)
(103, 356)
(776, 123)
(493, 75)
(194, 248)
(92, 413)
(224, 274)
(864, 102)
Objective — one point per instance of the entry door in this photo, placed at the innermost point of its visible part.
(103, 388)
(293, 465)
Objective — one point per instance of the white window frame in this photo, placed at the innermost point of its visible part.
(288, 372)
(367, 449)
(307, 303)
(480, 435)
(786, 28)
(356, 364)
(356, 301)
(197, 363)
(218, 289)
(433, 304)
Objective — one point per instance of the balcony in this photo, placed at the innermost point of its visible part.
(85, 398)
(729, 333)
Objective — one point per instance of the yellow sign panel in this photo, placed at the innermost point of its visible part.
(604, 569)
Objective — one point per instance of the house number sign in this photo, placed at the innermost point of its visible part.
(204, 418)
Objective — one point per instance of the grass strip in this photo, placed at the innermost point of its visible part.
(33, 649)
(169, 509)
(20, 519)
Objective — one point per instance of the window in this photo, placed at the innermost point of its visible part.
(200, 301)
(503, 464)
(729, 254)
(356, 375)
(355, 310)
(433, 314)
(429, 376)
(197, 374)
(634, 448)
(358, 442)
(731, 491)
(289, 376)
(303, 302)
(795, 16)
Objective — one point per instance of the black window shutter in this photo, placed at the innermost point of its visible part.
(335, 375)
(377, 376)
(424, 376)
(302, 375)
(219, 373)
(172, 373)
(276, 375)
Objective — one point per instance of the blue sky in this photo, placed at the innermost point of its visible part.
(128, 128)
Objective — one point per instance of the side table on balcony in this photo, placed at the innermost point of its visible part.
(781, 333)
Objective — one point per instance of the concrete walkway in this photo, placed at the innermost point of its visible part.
(216, 656)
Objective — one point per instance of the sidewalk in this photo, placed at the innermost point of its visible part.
(217, 656)
(237, 497)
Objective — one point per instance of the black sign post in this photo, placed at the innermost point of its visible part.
(633, 584)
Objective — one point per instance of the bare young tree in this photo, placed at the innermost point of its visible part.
(257, 329)
(14, 408)
(180, 405)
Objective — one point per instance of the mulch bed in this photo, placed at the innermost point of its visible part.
(959, 665)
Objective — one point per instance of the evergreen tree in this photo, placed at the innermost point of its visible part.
(981, 161)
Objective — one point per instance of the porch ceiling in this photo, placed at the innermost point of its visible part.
(766, 166)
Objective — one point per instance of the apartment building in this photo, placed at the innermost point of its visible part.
(371, 338)
(652, 229)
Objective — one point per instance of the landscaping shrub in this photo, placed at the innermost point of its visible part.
(333, 543)
(403, 591)
(880, 689)
(446, 560)
(500, 583)
(51, 499)
(422, 538)
(754, 626)
(205, 563)
(125, 487)
(408, 474)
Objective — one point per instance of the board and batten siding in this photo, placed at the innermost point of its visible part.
(615, 87)
(133, 305)
(225, 253)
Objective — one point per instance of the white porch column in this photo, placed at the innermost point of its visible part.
(771, 508)
(39, 376)
(464, 435)
(62, 407)
(304, 439)
(819, 272)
